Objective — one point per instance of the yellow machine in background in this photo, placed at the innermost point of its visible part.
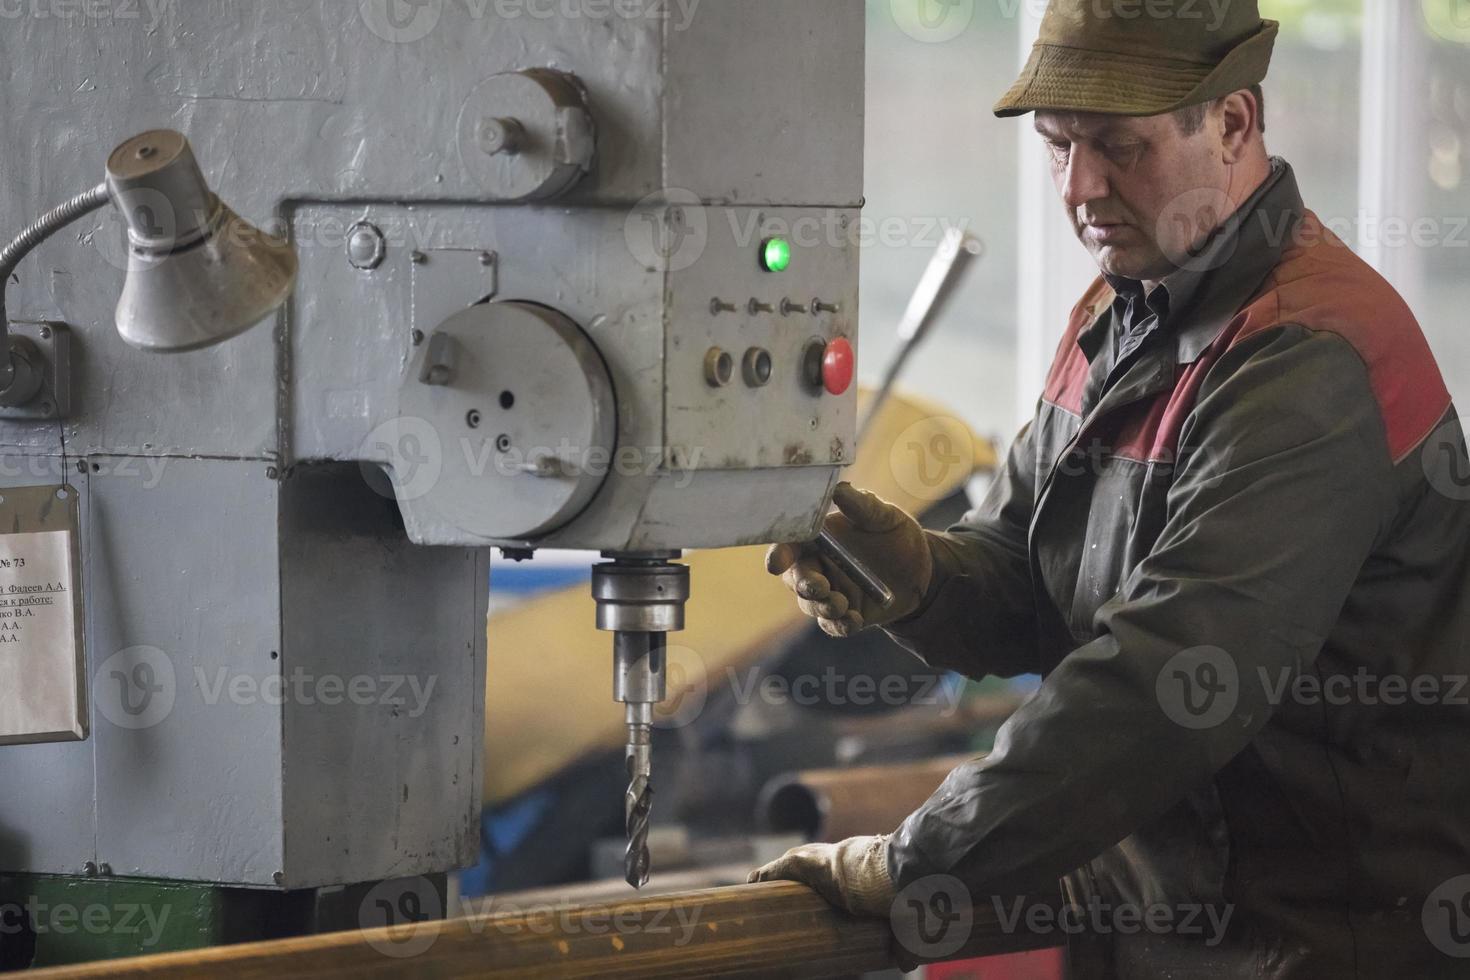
(549, 651)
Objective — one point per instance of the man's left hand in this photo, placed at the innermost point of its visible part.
(851, 874)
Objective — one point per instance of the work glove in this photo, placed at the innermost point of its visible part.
(851, 874)
(887, 540)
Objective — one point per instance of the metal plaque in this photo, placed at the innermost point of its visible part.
(42, 662)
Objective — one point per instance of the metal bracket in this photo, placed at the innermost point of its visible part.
(52, 341)
(446, 280)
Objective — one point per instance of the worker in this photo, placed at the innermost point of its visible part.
(1233, 541)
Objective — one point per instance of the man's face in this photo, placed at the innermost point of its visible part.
(1139, 193)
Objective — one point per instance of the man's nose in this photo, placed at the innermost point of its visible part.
(1085, 178)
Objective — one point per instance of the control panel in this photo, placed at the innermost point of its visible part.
(762, 339)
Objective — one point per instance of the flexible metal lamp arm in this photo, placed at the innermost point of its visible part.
(14, 381)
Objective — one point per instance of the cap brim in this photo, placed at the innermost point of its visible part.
(1068, 79)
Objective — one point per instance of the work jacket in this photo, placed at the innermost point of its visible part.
(1242, 567)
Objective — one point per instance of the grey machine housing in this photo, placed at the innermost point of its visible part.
(525, 242)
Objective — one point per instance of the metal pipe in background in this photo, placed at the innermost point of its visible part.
(833, 804)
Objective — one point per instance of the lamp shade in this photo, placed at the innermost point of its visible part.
(197, 273)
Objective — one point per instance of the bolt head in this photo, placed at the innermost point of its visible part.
(365, 246)
(500, 135)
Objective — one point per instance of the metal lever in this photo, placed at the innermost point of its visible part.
(853, 566)
(956, 254)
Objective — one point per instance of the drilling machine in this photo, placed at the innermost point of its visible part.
(581, 277)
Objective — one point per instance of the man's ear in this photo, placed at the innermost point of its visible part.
(1239, 114)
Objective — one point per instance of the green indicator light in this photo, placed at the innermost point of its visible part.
(776, 255)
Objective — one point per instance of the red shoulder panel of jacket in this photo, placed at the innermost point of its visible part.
(1319, 284)
(1322, 285)
(1067, 378)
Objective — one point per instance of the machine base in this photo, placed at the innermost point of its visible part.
(53, 920)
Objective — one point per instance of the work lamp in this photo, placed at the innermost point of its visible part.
(197, 273)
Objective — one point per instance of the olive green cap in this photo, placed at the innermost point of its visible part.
(1140, 57)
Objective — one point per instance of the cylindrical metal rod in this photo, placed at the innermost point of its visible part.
(777, 929)
(831, 804)
(941, 280)
(855, 568)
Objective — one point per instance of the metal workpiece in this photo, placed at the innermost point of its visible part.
(833, 804)
(855, 568)
(773, 929)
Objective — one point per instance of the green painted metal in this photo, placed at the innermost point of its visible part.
(52, 920)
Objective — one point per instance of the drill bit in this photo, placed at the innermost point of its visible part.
(640, 599)
(638, 681)
(638, 801)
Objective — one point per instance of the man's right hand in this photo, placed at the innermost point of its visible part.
(887, 540)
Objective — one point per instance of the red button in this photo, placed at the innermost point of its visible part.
(837, 366)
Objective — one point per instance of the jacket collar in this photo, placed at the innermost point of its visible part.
(1205, 295)
(1231, 266)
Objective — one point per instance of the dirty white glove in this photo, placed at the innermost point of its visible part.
(889, 542)
(851, 874)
